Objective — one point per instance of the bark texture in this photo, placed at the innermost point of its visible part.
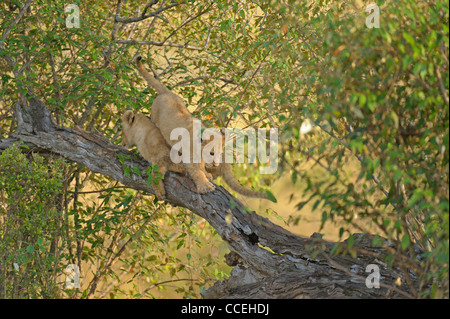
(269, 261)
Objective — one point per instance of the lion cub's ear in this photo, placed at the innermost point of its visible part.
(128, 117)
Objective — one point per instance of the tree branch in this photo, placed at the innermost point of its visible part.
(146, 16)
(270, 262)
(161, 44)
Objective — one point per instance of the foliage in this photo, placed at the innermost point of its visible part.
(376, 160)
(32, 226)
(381, 96)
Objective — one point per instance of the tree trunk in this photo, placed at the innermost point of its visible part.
(269, 261)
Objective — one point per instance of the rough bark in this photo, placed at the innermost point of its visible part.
(269, 261)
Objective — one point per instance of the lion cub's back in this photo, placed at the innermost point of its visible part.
(169, 112)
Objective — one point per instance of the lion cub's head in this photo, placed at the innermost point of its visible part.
(128, 119)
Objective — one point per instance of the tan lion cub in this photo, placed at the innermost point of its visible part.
(168, 113)
(138, 129)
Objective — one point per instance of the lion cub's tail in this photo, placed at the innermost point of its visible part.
(228, 177)
(158, 86)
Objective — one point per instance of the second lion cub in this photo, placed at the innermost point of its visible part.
(138, 129)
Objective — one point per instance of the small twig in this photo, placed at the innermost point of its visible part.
(108, 50)
(188, 21)
(163, 283)
(160, 44)
(149, 5)
(146, 16)
(441, 86)
(169, 64)
(227, 81)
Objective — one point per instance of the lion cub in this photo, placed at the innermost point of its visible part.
(168, 113)
(138, 129)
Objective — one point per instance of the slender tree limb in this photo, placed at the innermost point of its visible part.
(161, 44)
(441, 85)
(146, 16)
(187, 22)
(149, 5)
(164, 283)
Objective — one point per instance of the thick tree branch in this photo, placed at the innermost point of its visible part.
(270, 262)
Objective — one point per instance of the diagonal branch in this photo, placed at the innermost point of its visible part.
(188, 21)
(146, 16)
(267, 258)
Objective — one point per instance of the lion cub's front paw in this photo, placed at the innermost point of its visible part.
(205, 187)
(160, 191)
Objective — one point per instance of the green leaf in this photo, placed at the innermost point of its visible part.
(353, 253)
(341, 232)
(405, 241)
(302, 204)
(137, 171)
(377, 241)
(337, 247)
(324, 217)
(122, 158)
(416, 196)
(270, 196)
(159, 176)
(362, 100)
(409, 38)
(350, 241)
(294, 177)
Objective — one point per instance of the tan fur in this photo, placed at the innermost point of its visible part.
(224, 171)
(169, 112)
(138, 129)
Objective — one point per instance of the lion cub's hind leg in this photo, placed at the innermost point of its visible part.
(157, 181)
(177, 168)
(164, 165)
